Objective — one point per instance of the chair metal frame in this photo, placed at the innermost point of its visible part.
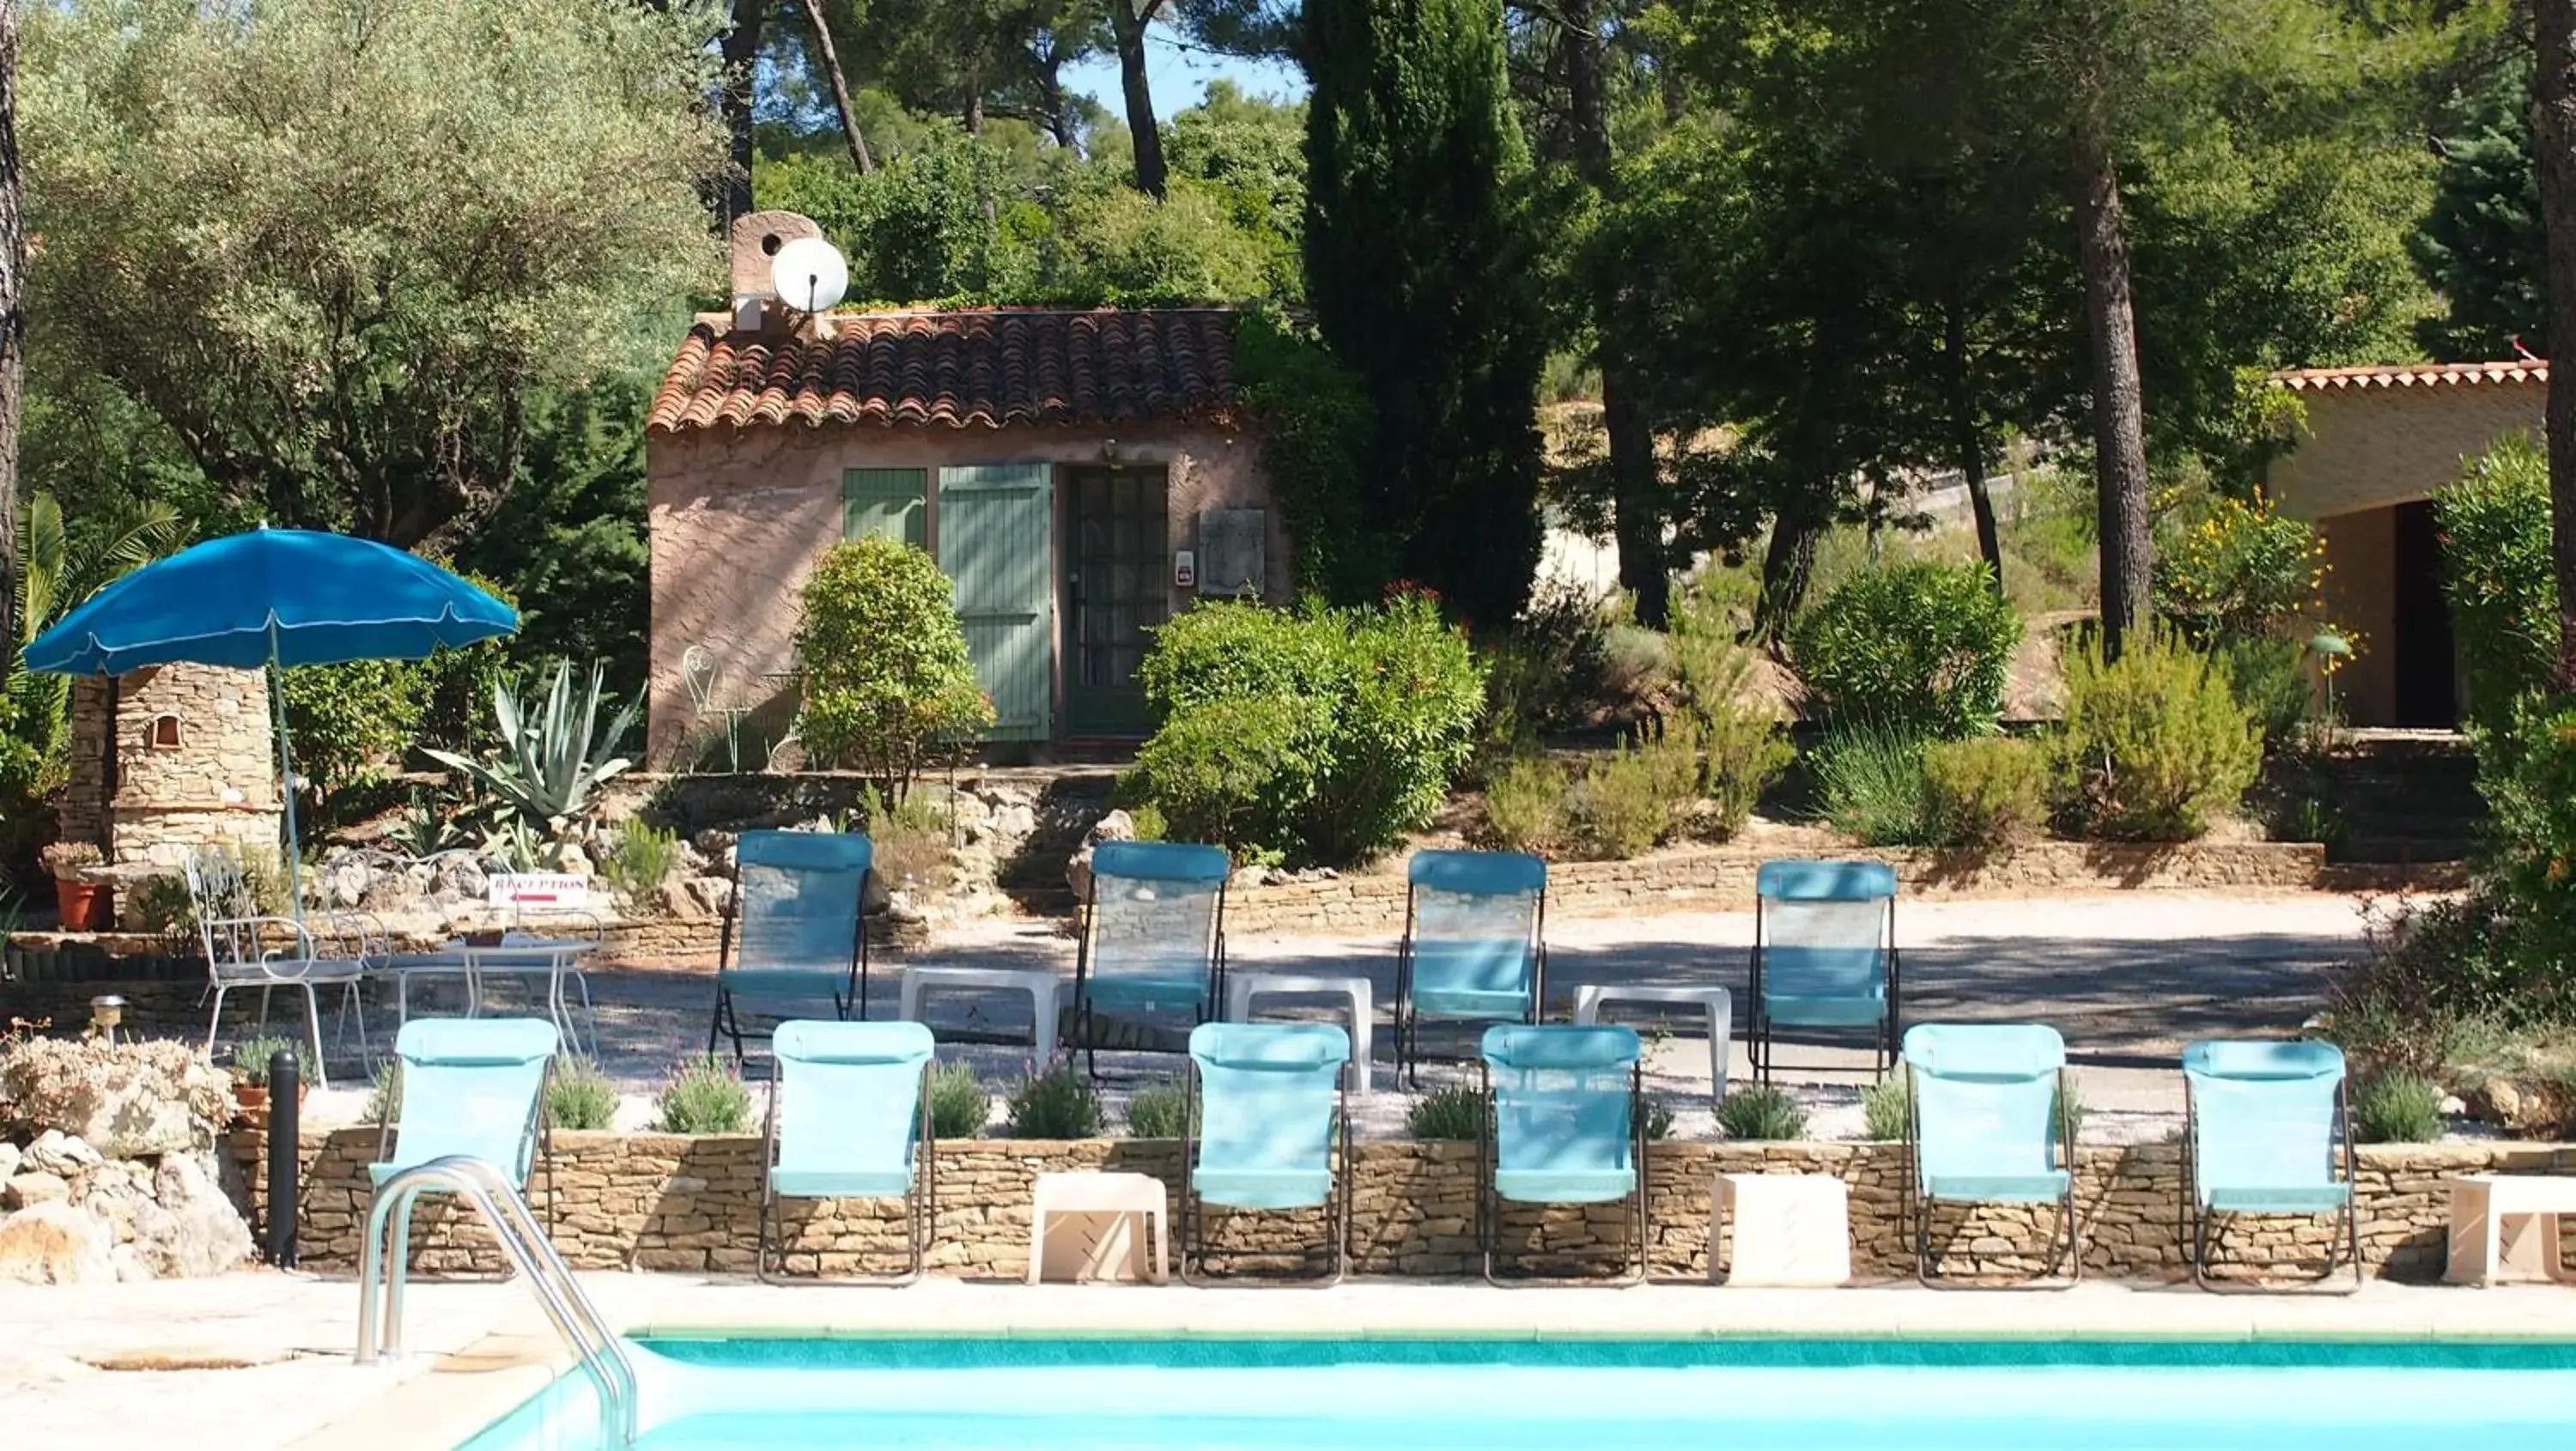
(1761, 1039)
(703, 674)
(2198, 1229)
(2066, 1245)
(536, 1138)
(921, 1202)
(1337, 1203)
(1489, 1199)
(1408, 1019)
(245, 947)
(1211, 1002)
(727, 1019)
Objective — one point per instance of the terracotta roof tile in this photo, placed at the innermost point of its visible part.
(2414, 375)
(986, 368)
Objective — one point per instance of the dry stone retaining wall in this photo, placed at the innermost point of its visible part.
(668, 1202)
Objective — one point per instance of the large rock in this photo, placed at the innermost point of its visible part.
(56, 1152)
(457, 877)
(32, 1188)
(1116, 826)
(8, 1158)
(55, 1244)
(190, 1226)
(133, 1100)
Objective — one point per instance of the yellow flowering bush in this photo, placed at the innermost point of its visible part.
(2237, 569)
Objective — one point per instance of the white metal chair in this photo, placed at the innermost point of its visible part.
(703, 675)
(246, 947)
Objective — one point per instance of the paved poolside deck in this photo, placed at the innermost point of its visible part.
(480, 1348)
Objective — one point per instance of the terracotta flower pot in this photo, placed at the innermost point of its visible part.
(252, 1101)
(79, 903)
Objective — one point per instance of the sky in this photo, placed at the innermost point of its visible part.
(1180, 73)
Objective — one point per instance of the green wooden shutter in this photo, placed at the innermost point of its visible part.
(996, 534)
(887, 502)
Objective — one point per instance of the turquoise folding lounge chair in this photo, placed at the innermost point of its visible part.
(1565, 1123)
(2266, 1125)
(849, 1118)
(470, 1087)
(792, 928)
(1153, 933)
(1266, 1127)
(1475, 944)
(1989, 1126)
(1824, 955)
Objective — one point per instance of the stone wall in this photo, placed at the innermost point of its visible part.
(664, 1202)
(1721, 879)
(196, 764)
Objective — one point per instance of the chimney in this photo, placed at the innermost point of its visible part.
(757, 236)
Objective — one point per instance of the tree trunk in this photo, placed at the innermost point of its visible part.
(2553, 125)
(13, 322)
(1127, 21)
(1636, 505)
(1786, 565)
(2119, 410)
(840, 87)
(1967, 435)
(741, 51)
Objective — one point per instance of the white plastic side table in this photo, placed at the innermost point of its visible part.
(2504, 1228)
(1242, 987)
(1089, 1226)
(1042, 986)
(1790, 1229)
(1716, 1001)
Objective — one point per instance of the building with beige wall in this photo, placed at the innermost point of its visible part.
(1081, 474)
(2374, 445)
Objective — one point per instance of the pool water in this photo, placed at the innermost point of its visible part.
(1596, 1395)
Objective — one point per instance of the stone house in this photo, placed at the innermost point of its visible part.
(171, 758)
(2375, 443)
(1081, 474)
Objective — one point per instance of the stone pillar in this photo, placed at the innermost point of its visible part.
(195, 764)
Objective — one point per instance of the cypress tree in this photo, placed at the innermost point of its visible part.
(1418, 263)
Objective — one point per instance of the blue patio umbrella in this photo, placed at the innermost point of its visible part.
(273, 597)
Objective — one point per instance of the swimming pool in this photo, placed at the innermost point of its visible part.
(956, 1394)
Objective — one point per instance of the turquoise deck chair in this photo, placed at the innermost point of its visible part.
(1989, 1126)
(1267, 1127)
(470, 1087)
(792, 928)
(1475, 944)
(1565, 1124)
(1824, 955)
(849, 1118)
(1153, 933)
(2266, 1126)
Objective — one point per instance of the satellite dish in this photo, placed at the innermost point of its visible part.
(809, 275)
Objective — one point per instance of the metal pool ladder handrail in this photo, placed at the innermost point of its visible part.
(603, 1354)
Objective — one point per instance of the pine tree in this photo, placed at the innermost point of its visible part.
(1418, 262)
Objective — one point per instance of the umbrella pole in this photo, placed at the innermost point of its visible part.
(285, 778)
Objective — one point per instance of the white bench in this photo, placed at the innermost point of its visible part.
(1717, 1002)
(1042, 986)
(1086, 1226)
(2504, 1228)
(1790, 1229)
(1242, 987)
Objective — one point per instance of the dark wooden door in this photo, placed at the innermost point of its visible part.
(1113, 594)
(2424, 670)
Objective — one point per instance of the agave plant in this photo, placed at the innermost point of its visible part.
(554, 754)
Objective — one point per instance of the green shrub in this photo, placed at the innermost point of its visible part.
(2151, 745)
(1631, 799)
(579, 1096)
(2523, 892)
(348, 721)
(162, 904)
(456, 685)
(1887, 1106)
(251, 1058)
(1316, 734)
(1871, 785)
(380, 1092)
(2269, 677)
(1743, 747)
(888, 682)
(909, 840)
(2236, 569)
(2497, 575)
(1454, 1115)
(1525, 804)
(960, 1104)
(704, 1095)
(1659, 1120)
(1761, 1113)
(1985, 791)
(640, 858)
(1059, 1103)
(1155, 1111)
(555, 752)
(1548, 673)
(2397, 1106)
(1921, 647)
